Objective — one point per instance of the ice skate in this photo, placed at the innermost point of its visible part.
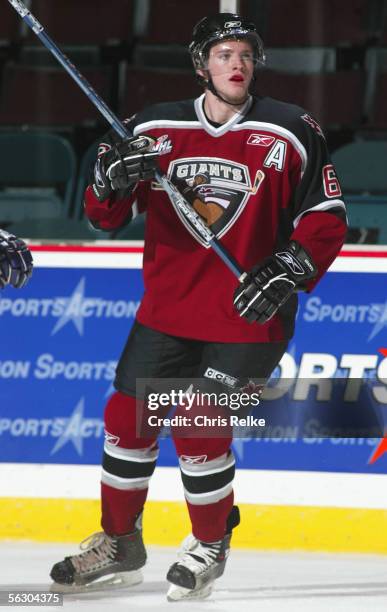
(200, 564)
(107, 562)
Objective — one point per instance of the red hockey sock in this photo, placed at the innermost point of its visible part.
(209, 521)
(120, 509)
(128, 464)
(207, 469)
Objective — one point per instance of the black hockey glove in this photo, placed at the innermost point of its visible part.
(269, 284)
(124, 165)
(15, 261)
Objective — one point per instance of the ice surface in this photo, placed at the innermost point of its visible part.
(254, 581)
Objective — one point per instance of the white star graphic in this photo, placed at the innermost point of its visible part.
(381, 323)
(72, 430)
(73, 310)
(110, 390)
(292, 350)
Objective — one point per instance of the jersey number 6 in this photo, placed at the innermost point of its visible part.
(332, 187)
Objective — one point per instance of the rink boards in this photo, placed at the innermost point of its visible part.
(61, 337)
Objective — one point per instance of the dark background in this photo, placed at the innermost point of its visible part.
(329, 56)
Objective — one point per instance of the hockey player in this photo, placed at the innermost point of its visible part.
(258, 172)
(15, 261)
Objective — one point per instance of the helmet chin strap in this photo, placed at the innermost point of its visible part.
(209, 84)
(211, 88)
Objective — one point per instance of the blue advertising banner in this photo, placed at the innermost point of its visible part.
(62, 334)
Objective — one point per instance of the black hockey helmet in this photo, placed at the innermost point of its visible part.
(223, 26)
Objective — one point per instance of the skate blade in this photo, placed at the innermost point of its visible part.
(177, 593)
(111, 581)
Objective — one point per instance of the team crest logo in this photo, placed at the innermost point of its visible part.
(217, 189)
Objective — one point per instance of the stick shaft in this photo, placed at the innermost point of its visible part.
(257, 183)
(121, 130)
(195, 220)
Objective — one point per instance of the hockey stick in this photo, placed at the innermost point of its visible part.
(175, 196)
(259, 176)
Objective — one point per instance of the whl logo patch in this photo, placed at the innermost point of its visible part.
(163, 145)
(260, 140)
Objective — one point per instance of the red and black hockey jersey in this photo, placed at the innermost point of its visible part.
(260, 179)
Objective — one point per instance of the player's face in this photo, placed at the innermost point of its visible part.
(231, 66)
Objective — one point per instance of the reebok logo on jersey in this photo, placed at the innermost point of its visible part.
(221, 377)
(291, 262)
(260, 140)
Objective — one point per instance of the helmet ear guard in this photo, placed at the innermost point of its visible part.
(201, 80)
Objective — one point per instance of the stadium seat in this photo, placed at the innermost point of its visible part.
(48, 96)
(378, 116)
(89, 22)
(335, 98)
(301, 60)
(375, 102)
(369, 215)
(316, 22)
(361, 167)
(84, 174)
(383, 34)
(159, 29)
(10, 24)
(83, 57)
(147, 86)
(36, 176)
(162, 56)
(56, 229)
